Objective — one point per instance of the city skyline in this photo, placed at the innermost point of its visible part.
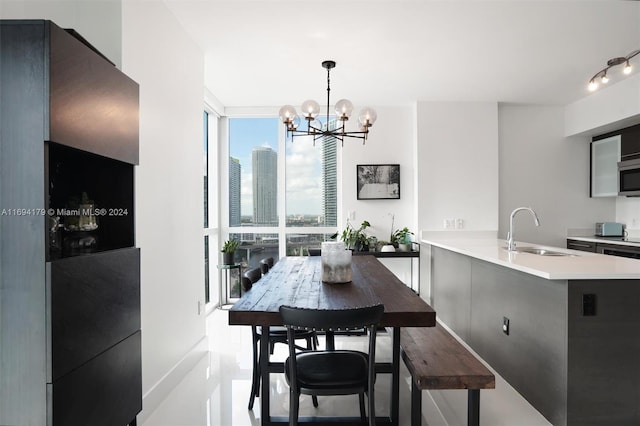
(308, 189)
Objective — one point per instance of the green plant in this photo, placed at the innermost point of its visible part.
(229, 246)
(355, 239)
(401, 236)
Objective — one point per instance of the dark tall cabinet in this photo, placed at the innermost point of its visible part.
(70, 341)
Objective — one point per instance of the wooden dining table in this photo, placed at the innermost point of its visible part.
(297, 281)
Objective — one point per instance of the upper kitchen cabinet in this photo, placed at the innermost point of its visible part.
(630, 143)
(93, 106)
(605, 154)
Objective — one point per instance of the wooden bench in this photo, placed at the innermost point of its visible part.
(436, 360)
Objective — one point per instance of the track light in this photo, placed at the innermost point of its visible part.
(602, 74)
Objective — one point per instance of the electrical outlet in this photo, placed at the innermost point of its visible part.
(351, 215)
(505, 325)
(449, 223)
(459, 223)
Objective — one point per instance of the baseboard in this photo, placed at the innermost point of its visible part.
(161, 389)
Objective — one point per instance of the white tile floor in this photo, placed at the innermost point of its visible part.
(216, 391)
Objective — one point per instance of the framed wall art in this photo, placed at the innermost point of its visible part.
(378, 181)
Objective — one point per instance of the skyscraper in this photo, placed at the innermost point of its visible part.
(234, 191)
(330, 178)
(264, 163)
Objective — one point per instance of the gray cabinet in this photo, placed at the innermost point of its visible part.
(69, 297)
(572, 350)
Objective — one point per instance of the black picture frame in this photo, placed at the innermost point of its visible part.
(378, 181)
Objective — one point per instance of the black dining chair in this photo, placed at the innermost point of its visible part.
(331, 372)
(314, 251)
(249, 277)
(266, 264)
(277, 334)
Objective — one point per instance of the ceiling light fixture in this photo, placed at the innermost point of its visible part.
(311, 109)
(604, 78)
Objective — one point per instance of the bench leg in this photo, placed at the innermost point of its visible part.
(416, 405)
(473, 408)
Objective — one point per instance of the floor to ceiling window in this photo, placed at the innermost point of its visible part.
(210, 207)
(282, 195)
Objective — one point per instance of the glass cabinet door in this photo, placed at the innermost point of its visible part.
(605, 155)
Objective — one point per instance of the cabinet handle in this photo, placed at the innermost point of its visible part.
(580, 245)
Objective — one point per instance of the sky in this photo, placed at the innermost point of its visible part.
(303, 164)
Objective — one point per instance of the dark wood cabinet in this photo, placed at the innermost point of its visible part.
(581, 245)
(69, 269)
(629, 141)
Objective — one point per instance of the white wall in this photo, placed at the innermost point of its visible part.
(457, 157)
(391, 141)
(614, 107)
(169, 199)
(542, 169)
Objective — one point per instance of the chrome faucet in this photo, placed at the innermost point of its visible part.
(511, 244)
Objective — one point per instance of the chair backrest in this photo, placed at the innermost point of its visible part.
(266, 264)
(329, 320)
(250, 277)
(314, 251)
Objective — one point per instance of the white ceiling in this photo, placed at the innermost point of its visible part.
(395, 52)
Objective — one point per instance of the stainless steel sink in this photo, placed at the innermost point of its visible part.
(541, 251)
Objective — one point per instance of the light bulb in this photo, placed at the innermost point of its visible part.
(287, 113)
(604, 78)
(627, 68)
(344, 108)
(310, 109)
(592, 85)
(367, 117)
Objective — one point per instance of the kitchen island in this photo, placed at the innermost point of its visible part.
(572, 343)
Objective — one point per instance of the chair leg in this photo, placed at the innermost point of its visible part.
(362, 413)
(372, 410)
(315, 400)
(255, 377)
(294, 405)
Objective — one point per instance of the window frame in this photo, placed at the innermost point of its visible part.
(282, 230)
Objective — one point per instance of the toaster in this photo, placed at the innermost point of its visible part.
(609, 229)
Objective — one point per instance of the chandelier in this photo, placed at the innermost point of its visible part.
(311, 109)
(602, 74)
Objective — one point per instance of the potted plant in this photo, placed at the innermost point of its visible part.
(355, 239)
(385, 247)
(402, 237)
(228, 251)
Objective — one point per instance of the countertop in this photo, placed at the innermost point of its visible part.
(606, 240)
(579, 266)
